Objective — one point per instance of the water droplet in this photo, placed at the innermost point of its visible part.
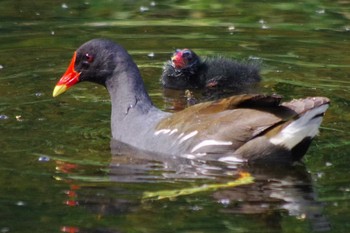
(320, 174)
(44, 159)
(264, 26)
(151, 55)
(321, 11)
(20, 203)
(19, 118)
(225, 201)
(143, 9)
(3, 117)
(231, 28)
(38, 94)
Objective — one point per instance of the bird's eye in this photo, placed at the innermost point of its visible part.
(89, 58)
(187, 54)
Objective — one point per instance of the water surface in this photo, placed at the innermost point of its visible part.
(57, 172)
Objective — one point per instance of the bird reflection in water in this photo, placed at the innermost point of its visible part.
(274, 193)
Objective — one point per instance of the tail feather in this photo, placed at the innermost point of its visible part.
(311, 111)
(290, 141)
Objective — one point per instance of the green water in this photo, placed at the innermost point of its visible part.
(57, 173)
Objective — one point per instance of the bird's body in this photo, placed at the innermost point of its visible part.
(187, 71)
(235, 129)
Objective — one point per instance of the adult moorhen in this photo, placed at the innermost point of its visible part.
(237, 129)
(186, 70)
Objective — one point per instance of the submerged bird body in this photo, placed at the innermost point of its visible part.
(186, 70)
(235, 129)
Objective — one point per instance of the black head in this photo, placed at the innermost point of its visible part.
(97, 59)
(184, 58)
(94, 61)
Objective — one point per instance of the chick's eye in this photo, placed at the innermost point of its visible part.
(187, 54)
(89, 58)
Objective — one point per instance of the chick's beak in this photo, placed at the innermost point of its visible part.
(177, 61)
(69, 79)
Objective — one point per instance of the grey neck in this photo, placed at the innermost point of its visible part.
(129, 98)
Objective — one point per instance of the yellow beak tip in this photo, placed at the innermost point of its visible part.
(59, 89)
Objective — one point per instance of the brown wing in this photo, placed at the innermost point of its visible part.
(236, 120)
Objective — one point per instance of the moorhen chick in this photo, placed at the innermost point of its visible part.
(186, 70)
(243, 128)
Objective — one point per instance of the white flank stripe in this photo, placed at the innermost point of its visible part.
(180, 135)
(173, 131)
(164, 131)
(303, 127)
(210, 143)
(188, 136)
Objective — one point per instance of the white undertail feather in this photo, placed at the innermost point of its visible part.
(305, 126)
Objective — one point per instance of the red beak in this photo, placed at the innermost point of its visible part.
(178, 61)
(69, 79)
